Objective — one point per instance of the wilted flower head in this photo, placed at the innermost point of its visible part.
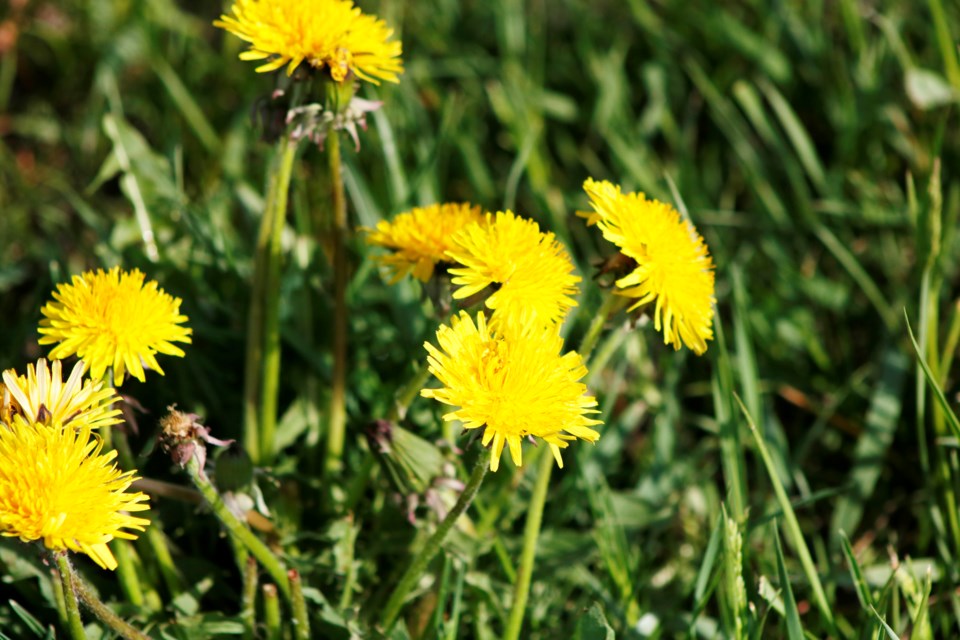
(513, 382)
(673, 265)
(326, 34)
(113, 319)
(184, 436)
(43, 396)
(57, 486)
(530, 271)
(421, 237)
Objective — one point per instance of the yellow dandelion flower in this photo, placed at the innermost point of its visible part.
(673, 264)
(43, 396)
(56, 486)
(420, 237)
(113, 319)
(330, 34)
(512, 381)
(531, 271)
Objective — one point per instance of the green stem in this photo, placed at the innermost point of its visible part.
(262, 373)
(114, 439)
(336, 431)
(271, 612)
(531, 533)
(161, 555)
(60, 599)
(433, 545)
(301, 622)
(248, 604)
(408, 393)
(74, 623)
(127, 573)
(242, 534)
(99, 609)
(611, 304)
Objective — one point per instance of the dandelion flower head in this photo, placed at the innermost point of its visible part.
(530, 270)
(674, 267)
(43, 396)
(57, 486)
(326, 34)
(420, 237)
(113, 319)
(512, 381)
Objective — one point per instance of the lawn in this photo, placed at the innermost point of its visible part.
(798, 478)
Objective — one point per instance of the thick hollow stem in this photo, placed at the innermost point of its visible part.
(531, 533)
(262, 365)
(336, 430)
(432, 546)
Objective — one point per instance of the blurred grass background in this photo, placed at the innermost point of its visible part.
(814, 145)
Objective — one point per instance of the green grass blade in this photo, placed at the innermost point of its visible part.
(952, 421)
(859, 582)
(891, 634)
(794, 626)
(794, 534)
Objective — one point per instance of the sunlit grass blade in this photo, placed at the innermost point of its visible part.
(891, 634)
(951, 417)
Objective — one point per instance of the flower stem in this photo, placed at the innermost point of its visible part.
(127, 572)
(301, 622)
(336, 430)
(74, 623)
(99, 609)
(531, 532)
(262, 373)
(237, 530)
(271, 612)
(610, 305)
(433, 545)
(248, 606)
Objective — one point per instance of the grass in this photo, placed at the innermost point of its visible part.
(812, 143)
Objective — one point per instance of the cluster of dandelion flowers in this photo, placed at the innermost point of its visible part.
(530, 270)
(326, 34)
(113, 319)
(513, 381)
(43, 396)
(420, 238)
(673, 265)
(57, 486)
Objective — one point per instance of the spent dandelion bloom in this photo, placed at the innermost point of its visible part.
(673, 265)
(113, 319)
(531, 272)
(326, 34)
(57, 486)
(512, 381)
(43, 396)
(420, 238)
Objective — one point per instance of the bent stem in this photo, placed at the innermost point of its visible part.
(531, 534)
(77, 588)
(336, 429)
(262, 371)
(433, 545)
(237, 530)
